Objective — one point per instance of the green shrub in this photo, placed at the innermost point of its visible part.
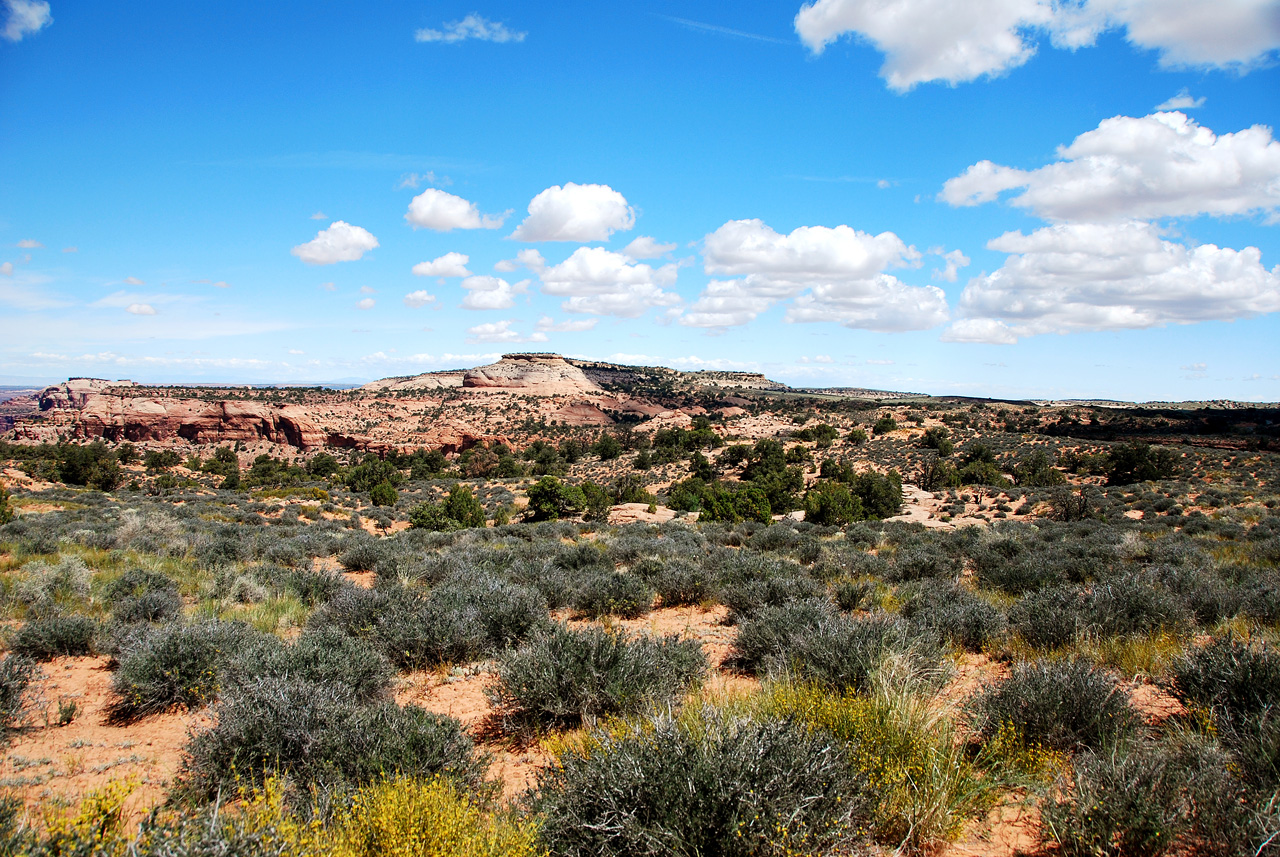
(140, 595)
(563, 676)
(1060, 705)
(611, 593)
(174, 665)
(16, 675)
(678, 582)
(956, 614)
(1123, 801)
(1228, 675)
(1048, 618)
(320, 734)
(705, 784)
(323, 656)
(51, 635)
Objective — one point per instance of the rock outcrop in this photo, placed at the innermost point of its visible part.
(76, 392)
(533, 374)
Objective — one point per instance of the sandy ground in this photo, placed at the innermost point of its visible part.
(52, 765)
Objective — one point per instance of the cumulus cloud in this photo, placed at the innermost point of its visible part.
(882, 303)
(527, 258)
(341, 242)
(6, 269)
(473, 27)
(319, 215)
(491, 292)
(549, 324)
(140, 309)
(955, 261)
(420, 298)
(329, 287)
(597, 281)
(500, 331)
(840, 267)
(645, 247)
(367, 303)
(1074, 277)
(25, 17)
(1162, 165)
(29, 244)
(576, 212)
(928, 40)
(449, 265)
(368, 290)
(444, 212)
(1182, 101)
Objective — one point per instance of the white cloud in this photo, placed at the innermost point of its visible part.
(527, 258)
(140, 309)
(1182, 101)
(1075, 277)
(807, 254)
(955, 261)
(726, 303)
(341, 242)
(1162, 165)
(444, 212)
(547, 323)
(841, 267)
(882, 303)
(471, 27)
(25, 17)
(319, 215)
(412, 180)
(491, 292)
(70, 249)
(6, 269)
(935, 40)
(448, 265)
(329, 287)
(420, 298)
(600, 282)
(367, 303)
(368, 290)
(644, 247)
(576, 212)
(925, 40)
(500, 331)
(29, 244)
(134, 281)
(296, 351)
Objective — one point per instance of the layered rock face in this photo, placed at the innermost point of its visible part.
(76, 392)
(536, 374)
(119, 417)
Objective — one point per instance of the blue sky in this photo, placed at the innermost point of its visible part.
(1002, 198)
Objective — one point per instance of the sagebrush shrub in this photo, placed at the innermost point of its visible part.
(1049, 618)
(564, 676)
(50, 635)
(1229, 675)
(321, 734)
(678, 582)
(16, 675)
(175, 665)
(954, 613)
(1060, 705)
(611, 593)
(707, 783)
(323, 656)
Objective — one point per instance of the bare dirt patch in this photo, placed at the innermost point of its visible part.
(48, 764)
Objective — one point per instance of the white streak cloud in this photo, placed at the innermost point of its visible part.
(645, 247)
(549, 324)
(341, 242)
(576, 212)
(473, 27)
(500, 331)
(140, 309)
(25, 17)
(1182, 101)
(420, 298)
